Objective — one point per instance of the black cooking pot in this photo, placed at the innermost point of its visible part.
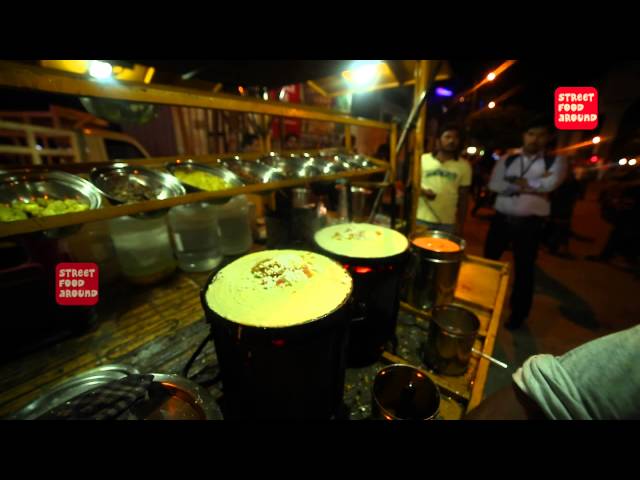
(375, 303)
(294, 372)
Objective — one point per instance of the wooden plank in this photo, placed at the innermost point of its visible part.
(483, 369)
(59, 152)
(20, 75)
(393, 158)
(421, 75)
(470, 289)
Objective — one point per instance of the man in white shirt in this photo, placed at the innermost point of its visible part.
(599, 380)
(522, 183)
(445, 182)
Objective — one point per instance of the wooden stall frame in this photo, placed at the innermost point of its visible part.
(23, 76)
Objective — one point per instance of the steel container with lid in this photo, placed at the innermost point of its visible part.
(279, 321)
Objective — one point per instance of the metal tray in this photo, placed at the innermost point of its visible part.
(109, 179)
(177, 398)
(252, 171)
(26, 185)
(218, 171)
(293, 166)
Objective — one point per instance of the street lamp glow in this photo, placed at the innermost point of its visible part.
(622, 161)
(363, 73)
(491, 77)
(100, 70)
(596, 140)
(632, 161)
(444, 92)
(492, 104)
(472, 150)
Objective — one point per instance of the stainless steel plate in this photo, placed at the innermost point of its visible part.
(219, 171)
(252, 171)
(125, 183)
(293, 166)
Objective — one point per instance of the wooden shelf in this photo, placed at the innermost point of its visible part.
(23, 76)
(19, 75)
(112, 211)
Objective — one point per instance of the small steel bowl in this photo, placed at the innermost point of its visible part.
(358, 161)
(293, 166)
(26, 185)
(330, 165)
(218, 171)
(252, 171)
(109, 179)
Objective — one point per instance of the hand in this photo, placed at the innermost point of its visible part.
(430, 194)
(521, 182)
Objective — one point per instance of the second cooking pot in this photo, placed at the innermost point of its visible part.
(375, 257)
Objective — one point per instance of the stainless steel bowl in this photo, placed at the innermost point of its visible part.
(218, 171)
(252, 171)
(112, 179)
(358, 161)
(293, 166)
(26, 185)
(329, 165)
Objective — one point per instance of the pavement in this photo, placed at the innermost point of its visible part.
(575, 300)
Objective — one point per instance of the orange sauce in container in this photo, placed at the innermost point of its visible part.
(441, 245)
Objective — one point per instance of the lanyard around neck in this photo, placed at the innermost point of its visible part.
(523, 171)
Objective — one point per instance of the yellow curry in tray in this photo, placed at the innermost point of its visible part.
(41, 207)
(202, 180)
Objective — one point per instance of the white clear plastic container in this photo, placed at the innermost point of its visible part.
(196, 236)
(93, 243)
(235, 226)
(143, 248)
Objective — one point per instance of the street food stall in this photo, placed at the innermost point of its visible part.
(207, 340)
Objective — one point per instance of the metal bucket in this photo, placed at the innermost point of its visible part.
(432, 276)
(402, 392)
(452, 331)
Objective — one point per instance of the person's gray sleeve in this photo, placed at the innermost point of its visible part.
(497, 183)
(598, 380)
(557, 174)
